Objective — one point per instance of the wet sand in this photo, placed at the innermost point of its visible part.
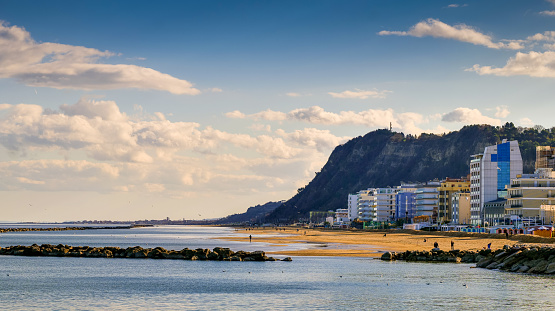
(359, 243)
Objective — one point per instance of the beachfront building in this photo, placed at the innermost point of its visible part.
(405, 202)
(490, 173)
(367, 205)
(494, 212)
(427, 201)
(460, 208)
(405, 206)
(385, 203)
(447, 188)
(529, 192)
(342, 216)
(352, 206)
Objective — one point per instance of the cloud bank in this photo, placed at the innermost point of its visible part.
(437, 29)
(63, 66)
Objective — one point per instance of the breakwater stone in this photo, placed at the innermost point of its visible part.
(518, 258)
(218, 253)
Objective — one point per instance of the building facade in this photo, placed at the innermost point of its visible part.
(427, 201)
(352, 206)
(367, 205)
(385, 203)
(529, 192)
(460, 208)
(490, 173)
(447, 188)
(405, 206)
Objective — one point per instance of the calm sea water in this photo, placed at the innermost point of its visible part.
(306, 283)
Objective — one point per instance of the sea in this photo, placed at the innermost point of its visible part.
(306, 283)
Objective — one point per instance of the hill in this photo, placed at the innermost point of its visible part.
(384, 158)
(251, 215)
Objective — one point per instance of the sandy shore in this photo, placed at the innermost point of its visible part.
(359, 243)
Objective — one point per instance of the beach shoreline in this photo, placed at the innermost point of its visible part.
(361, 243)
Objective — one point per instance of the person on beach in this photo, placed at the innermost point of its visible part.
(489, 245)
(452, 245)
(250, 238)
(436, 245)
(424, 240)
(385, 234)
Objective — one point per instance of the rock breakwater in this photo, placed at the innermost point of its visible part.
(218, 253)
(4, 230)
(518, 258)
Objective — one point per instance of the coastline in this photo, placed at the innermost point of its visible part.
(358, 243)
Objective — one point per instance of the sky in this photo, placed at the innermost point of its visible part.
(128, 110)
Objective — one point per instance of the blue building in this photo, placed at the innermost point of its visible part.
(405, 206)
(490, 173)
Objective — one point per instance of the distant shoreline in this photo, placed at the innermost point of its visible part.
(4, 230)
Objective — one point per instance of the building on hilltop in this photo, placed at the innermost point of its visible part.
(490, 173)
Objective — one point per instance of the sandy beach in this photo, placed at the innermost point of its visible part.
(361, 243)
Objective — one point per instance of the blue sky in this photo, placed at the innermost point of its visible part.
(199, 109)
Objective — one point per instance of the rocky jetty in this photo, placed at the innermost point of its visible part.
(218, 253)
(518, 258)
(4, 230)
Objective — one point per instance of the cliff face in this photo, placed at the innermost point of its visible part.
(383, 158)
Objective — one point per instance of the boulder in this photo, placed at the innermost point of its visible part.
(550, 269)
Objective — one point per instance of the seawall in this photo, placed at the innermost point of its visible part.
(519, 258)
(218, 253)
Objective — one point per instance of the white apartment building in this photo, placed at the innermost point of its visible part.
(385, 203)
(352, 207)
(367, 204)
(427, 200)
(342, 215)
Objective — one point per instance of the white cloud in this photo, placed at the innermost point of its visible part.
(546, 36)
(64, 66)
(261, 127)
(533, 64)
(360, 94)
(407, 122)
(469, 116)
(269, 115)
(216, 90)
(437, 29)
(292, 94)
(526, 122)
(454, 5)
(235, 114)
(322, 140)
(501, 112)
